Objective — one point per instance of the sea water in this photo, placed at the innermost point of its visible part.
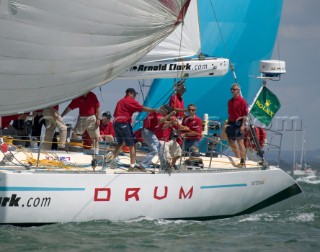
(295, 229)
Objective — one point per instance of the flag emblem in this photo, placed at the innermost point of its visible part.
(265, 106)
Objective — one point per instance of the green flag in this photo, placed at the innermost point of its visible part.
(265, 106)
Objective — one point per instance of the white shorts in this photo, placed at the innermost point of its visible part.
(87, 123)
(171, 149)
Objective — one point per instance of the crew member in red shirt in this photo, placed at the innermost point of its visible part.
(18, 128)
(176, 100)
(106, 131)
(106, 128)
(89, 117)
(238, 112)
(153, 131)
(124, 110)
(53, 120)
(191, 137)
(6, 120)
(170, 140)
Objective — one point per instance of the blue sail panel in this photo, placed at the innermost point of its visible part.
(249, 29)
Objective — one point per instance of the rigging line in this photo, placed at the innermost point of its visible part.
(24, 165)
(143, 101)
(219, 28)
(278, 47)
(181, 76)
(168, 97)
(180, 46)
(163, 96)
(156, 105)
(100, 91)
(142, 93)
(224, 43)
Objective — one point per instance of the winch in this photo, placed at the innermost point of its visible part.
(194, 163)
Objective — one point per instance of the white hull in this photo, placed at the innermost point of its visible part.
(78, 195)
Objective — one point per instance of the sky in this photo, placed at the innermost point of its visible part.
(298, 44)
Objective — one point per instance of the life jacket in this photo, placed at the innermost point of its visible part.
(249, 140)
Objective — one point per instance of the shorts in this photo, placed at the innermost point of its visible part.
(171, 149)
(123, 133)
(87, 123)
(233, 130)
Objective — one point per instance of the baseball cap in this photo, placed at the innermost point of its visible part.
(107, 114)
(131, 90)
(179, 86)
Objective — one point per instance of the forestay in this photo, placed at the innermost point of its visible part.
(52, 51)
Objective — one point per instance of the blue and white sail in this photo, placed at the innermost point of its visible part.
(242, 31)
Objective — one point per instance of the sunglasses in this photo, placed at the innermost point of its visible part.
(232, 89)
(191, 110)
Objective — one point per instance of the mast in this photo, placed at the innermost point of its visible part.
(294, 148)
(302, 151)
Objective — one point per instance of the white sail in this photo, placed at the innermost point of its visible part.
(51, 51)
(303, 169)
(170, 59)
(183, 42)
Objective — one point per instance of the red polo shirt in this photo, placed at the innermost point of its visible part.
(6, 120)
(106, 129)
(152, 123)
(87, 105)
(237, 108)
(125, 109)
(194, 124)
(176, 101)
